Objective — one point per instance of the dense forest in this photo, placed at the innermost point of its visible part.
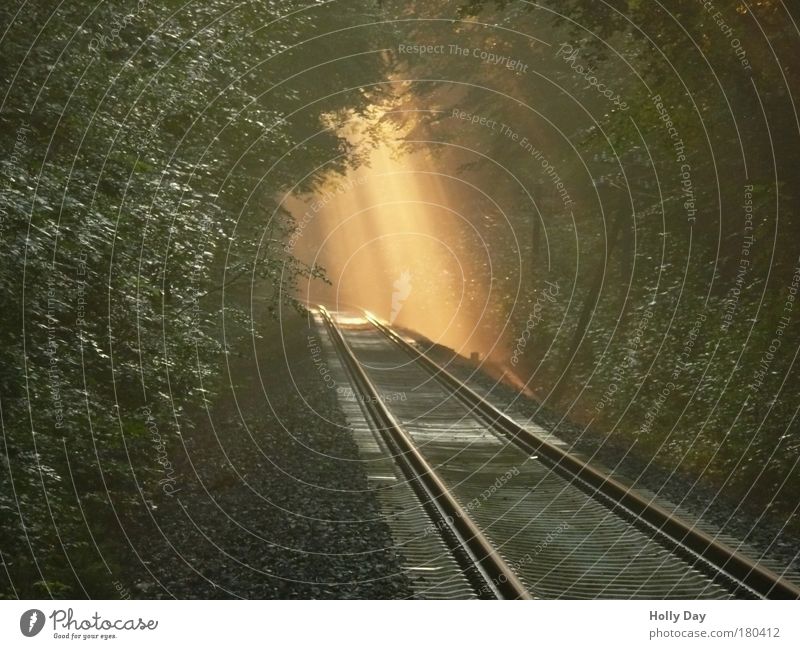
(642, 157)
(637, 172)
(144, 148)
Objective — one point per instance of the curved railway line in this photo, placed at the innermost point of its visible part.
(483, 506)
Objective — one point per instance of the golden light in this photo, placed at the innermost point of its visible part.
(394, 245)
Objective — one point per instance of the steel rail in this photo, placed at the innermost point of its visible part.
(499, 576)
(763, 581)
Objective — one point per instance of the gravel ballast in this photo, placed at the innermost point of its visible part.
(766, 540)
(273, 501)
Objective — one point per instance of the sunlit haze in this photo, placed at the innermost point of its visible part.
(392, 241)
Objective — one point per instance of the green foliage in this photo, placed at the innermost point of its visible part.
(636, 240)
(145, 148)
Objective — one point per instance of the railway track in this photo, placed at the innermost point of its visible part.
(484, 506)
